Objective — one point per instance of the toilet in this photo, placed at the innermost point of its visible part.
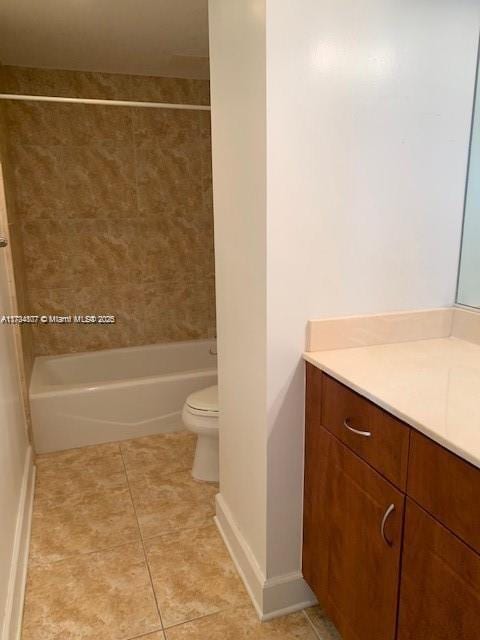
(200, 415)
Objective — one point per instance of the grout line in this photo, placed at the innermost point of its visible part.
(51, 455)
(83, 554)
(149, 633)
(143, 544)
(38, 500)
(314, 628)
(208, 615)
(171, 532)
(330, 635)
(140, 219)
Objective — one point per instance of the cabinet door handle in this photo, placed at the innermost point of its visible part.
(3, 242)
(347, 425)
(386, 515)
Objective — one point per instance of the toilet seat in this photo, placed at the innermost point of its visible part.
(201, 416)
(203, 402)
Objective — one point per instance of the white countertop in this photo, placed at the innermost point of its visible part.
(433, 385)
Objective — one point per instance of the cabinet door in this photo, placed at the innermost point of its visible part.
(447, 487)
(354, 569)
(440, 587)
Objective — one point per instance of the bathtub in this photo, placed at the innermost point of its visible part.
(115, 394)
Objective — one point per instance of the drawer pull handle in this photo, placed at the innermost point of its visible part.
(346, 424)
(389, 511)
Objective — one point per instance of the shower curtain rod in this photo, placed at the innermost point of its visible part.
(112, 103)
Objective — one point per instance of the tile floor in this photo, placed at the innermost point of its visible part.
(124, 546)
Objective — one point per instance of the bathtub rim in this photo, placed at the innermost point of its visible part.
(60, 390)
(37, 390)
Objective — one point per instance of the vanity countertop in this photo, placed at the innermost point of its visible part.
(432, 385)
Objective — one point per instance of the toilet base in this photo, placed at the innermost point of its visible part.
(205, 463)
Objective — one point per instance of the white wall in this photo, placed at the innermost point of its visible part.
(368, 110)
(15, 461)
(237, 45)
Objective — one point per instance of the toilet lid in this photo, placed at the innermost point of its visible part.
(204, 400)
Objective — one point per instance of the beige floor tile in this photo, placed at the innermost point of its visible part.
(158, 635)
(243, 624)
(79, 471)
(169, 503)
(101, 596)
(168, 453)
(78, 481)
(82, 523)
(193, 575)
(324, 628)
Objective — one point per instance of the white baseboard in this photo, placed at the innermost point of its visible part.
(271, 597)
(241, 554)
(12, 624)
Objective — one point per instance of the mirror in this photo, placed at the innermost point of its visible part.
(468, 290)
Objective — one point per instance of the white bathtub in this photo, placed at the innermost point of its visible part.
(103, 396)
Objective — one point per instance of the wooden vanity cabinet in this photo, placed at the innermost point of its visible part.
(387, 558)
(352, 532)
(440, 586)
(447, 487)
(357, 565)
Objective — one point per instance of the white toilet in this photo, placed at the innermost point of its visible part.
(200, 415)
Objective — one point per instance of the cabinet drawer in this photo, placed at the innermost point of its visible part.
(440, 587)
(375, 435)
(447, 487)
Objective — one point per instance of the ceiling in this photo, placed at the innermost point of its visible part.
(146, 37)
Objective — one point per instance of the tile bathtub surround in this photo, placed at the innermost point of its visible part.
(17, 250)
(114, 205)
(106, 86)
(94, 576)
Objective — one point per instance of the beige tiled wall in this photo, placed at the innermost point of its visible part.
(16, 246)
(105, 86)
(115, 208)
